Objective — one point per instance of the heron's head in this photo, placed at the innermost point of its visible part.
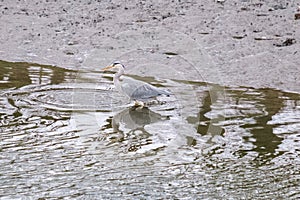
(116, 64)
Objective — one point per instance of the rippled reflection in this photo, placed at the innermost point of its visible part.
(265, 142)
(67, 134)
(135, 118)
(22, 74)
(130, 124)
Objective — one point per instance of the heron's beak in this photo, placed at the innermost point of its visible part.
(108, 67)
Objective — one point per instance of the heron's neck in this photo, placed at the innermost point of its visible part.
(118, 75)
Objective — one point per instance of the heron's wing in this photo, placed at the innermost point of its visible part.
(144, 92)
(139, 90)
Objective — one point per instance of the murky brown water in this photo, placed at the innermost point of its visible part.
(66, 134)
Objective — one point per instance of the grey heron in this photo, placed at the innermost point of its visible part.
(139, 91)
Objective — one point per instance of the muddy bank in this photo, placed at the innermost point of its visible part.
(250, 43)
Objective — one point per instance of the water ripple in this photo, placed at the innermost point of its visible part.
(67, 134)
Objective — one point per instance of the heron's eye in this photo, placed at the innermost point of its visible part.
(115, 63)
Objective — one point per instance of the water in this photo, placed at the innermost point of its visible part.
(67, 134)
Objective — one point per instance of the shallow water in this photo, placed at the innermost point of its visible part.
(68, 134)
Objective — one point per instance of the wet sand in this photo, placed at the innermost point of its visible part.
(250, 43)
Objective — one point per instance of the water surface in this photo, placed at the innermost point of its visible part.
(68, 134)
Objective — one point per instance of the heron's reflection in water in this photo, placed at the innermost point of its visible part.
(129, 127)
